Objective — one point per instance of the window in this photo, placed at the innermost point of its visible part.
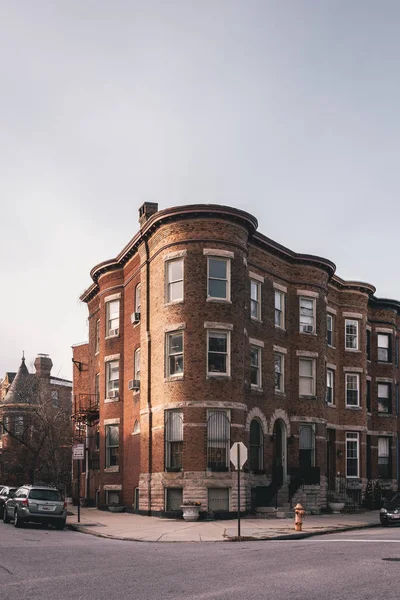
(352, 389)
(384, 467)
(351, 334)
(112, 327)
(173, 439)
(306, 445)
(352, 455)
(307, 315)
(368, 344)
(112, 445)
(97, 334)
(255, 366)
(368, 395)
(174, 280)
(54, 399)
(218, 278)
(307, 377)
(279, 309)
(112, 370)
(218, 353)
(112, 497)
(329, 329)
(7, 423)
(136, 427)
(174, 353)
(279, 372)
(384, 404)
(97, 438)
(218, 440)
(97, 388)
(19, 426)
(255, 299)
(329, 386)
(174, 499)
(384, 349)
(138, 298)
(136, 367)
(256, 446)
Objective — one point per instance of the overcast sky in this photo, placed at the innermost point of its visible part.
(288, 109)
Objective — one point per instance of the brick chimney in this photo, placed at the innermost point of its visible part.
(146, 211)
(43, 365)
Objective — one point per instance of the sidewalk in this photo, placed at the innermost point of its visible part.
(127, 526)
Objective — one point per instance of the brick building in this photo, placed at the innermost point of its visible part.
(30, 402)
(203, 332)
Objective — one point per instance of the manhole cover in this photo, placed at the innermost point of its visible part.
(392, 559)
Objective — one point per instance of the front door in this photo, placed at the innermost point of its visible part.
(331, 458)
(279, 449)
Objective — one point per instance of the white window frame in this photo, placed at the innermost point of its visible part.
(311, 448)
(380, 347)
(173, 435)
(136, 365)
(169, 354)
(351, 323)
(312, 361)
(169, 283)
(304, 327)
(384, 454)
(110, 446)
(97, 337)
(329, 321)
(109, 371)
(281, 310)
(255, 302)
(112, 323)
(257, 351)
(227, 335)
(352, 436)
(138, 298)
(227, 261)
(348, 377)
(281, 388)
(330, 379)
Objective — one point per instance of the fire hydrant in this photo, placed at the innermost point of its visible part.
(299, 513)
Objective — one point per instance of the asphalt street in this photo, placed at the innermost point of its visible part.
(45, 564)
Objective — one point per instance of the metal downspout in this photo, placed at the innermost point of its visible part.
(148, 339)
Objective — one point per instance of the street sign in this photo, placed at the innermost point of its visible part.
(238, 454)
(78, 451)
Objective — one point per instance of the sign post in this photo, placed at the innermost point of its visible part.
(238, 456)
(78, 453)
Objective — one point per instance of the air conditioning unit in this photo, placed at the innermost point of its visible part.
(134, 384)
(135, 317)
(113, 332)
(113, 394)
(308, 328)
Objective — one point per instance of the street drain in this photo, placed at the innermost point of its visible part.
(392, 559)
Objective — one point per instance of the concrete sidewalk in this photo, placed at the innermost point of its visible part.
(127, 526)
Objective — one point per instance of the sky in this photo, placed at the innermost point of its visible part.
(288, 109)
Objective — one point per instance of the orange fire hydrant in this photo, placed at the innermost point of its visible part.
(299, 513)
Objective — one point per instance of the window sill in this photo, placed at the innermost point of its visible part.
(137, 324)
(173, 378)
(280, 393)
(111, 337)
(173, 303)
(309, 396)
(221, 376)
(331, 347)
(354, 350)
(353, 407)
(219, 300)
(280, 328)
(331, 405)
(135, 392)
(308, 333)
(255, 388)
(382, 414)
(384, 362)
(256, 320)
(110, 400)
(111, 469)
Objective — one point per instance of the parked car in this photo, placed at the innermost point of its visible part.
(36, 504)
(5, 493)
(390, 513)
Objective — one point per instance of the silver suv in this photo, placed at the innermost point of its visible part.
(38, 505)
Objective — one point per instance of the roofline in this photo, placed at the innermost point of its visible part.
(358, 286)
(176, 213)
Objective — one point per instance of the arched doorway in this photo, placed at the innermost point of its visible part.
(279, 440)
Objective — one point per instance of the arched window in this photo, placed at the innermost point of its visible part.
(136, 427)
(138, 298)
(256, 445)
(306, 445)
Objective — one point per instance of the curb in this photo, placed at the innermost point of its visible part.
(281, 537)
